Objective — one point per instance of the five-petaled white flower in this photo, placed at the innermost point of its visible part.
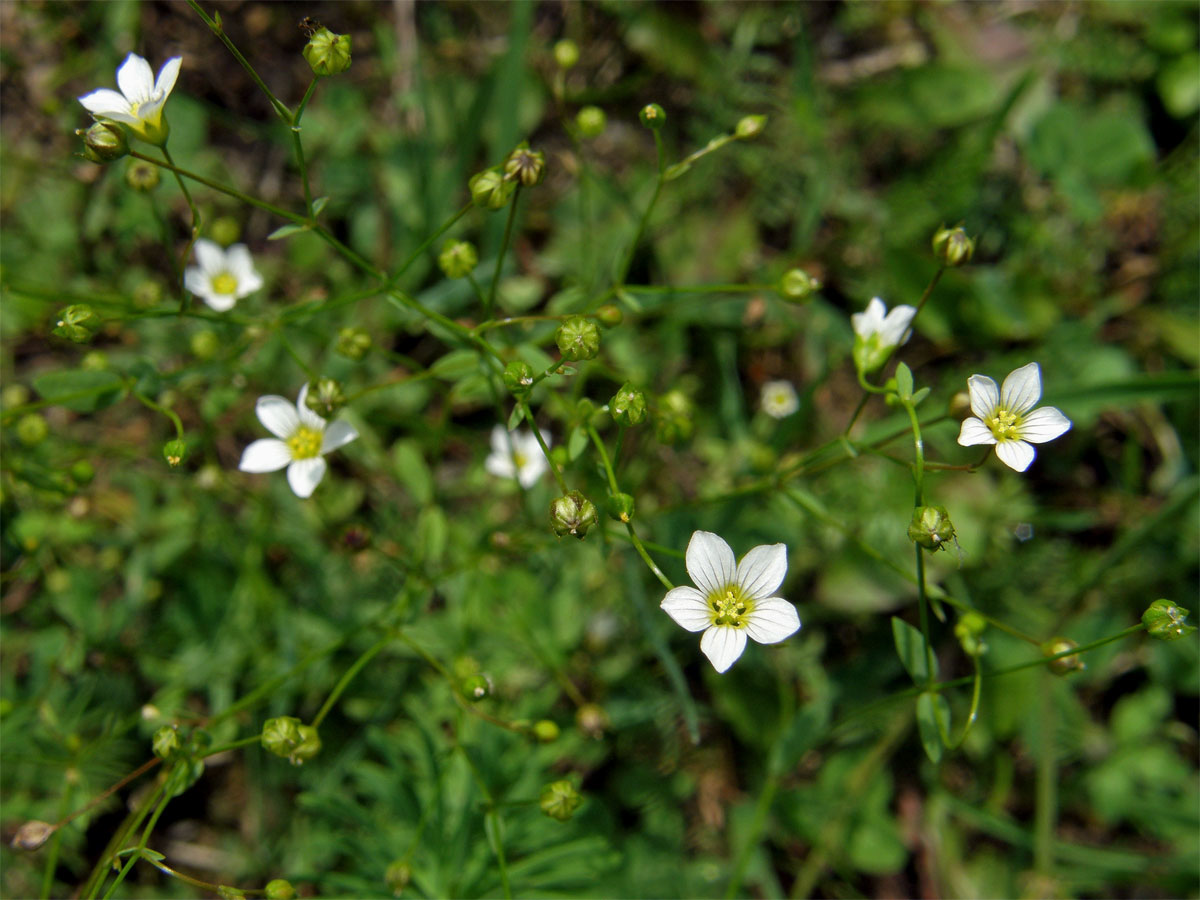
(731, 601)
(301, 439)
(139, 105)
(222, 277)
(517, 455)
(779, 399)
(1006, 417)
(877, 332)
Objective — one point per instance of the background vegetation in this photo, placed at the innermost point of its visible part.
(1062, 135)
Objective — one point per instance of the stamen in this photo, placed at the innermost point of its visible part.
(305, 443)
(1004, 425)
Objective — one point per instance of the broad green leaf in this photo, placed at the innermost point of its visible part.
(577, 443)
(83, 390)
(910, 647)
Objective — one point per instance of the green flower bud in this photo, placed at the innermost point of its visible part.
(166, 741)
(477, 687)
(750, 127)
(142, 176)
(104, 142)
(518, 378)
(572, 513)
(673, 418)
(652, 116)
(328, 53)
(458, 258)
(591, 121)
(82, 472)
(353, 343)
(566, 53)
(490, 190)
(226, 230)
(32, 429)
(798, 285)
(14, 395)
(1164, 620)
(77, 323)
(325, 397)
(32, 835)
(279, 889)
(959, 405)
(610, 315)
(592, 720)
(147, 294)
(309, 746)
(205, 344)
(559, 800)
(931, 527)
(1064, 665)
(525, 165)
(397, 876)
(620, 506)
(174, 452)
(952, 246)
(969, 630)
(578, 338)
(545, 731)
(229, 892)
(286, 736)
(94, 361)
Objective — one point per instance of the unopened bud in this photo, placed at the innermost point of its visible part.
(142, 176)
(566, 53)
(628, 405)
(82, 472)
(652, 116)
(798, 285)
(353, 343)
(286, 736)
(591, 121)
(324, 397)
(559, 800)
(328, 53)
(969, 631)
(104, 142)
(573, 514)
(592, 720)
(1064, 665)
(477, 687)
(490, 190)
(610, 315)
(1165, 621)
(750, 126)
(931, 527)
(77, 322)
(32, 429)
(620, 507)
(959, 405)
(279, 889)
(545, 731)
(518, 378)
(953, 247)
(32, 835)
(226, 230)
(673, 418)
(166, 741)
(578, 338)
(397, 877)
(205, 344)
(458, 259)
(525, 165)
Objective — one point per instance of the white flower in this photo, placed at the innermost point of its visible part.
(517, 455)
(301, 439)
(779, 399)
(1003, 417)
(222, 277)
(139, 105)
(878, 332)
(732, 601)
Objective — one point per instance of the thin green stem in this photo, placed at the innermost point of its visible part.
(169, 413)
(347, 677)
(923, 606)
(641, 549)
(608, 469)
(298, 145)
(627, 260)
(162, 801)
(1046, 812)
(221, 188)
(278, 105)
(424, 245)
(508, 229)
(554, 470)
(195, 232)
(312, 86)
(64, 805)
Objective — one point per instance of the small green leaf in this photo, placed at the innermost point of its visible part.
(456, 364)
(930, 707)
(577, 443)
(919, 396)
(910, 647)
(516, 416)
(412, 471)
(83, 390)
(286, 231)
(904, 383)
(318, 205)
(629, 300)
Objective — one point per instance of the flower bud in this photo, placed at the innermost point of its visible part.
(477, 687)
(328, 53)
(559, 800)
(959, 405)
(652, 116)
(280, 735)
(458, 258)
(77, 323)
(673, 419)
(490, 190)
(205, 344)
(592, 720)
(566, 53)
(174, 452)
(798, 285)
(930, 527)
(545, 731)
(226, 230)
(142, 176)
(750, 127)
(397, 876)
(953, 247)
(82, 472)
(279, 889)
(353, 343)
(969, 630)
(104, 142)
(620, 507)
(1064, 665)
(94, 361)
(572, 513)
(518, 378)
(591, 121)
(166, 742)
(1164, 620)
(610, 315)
(578, 338)
(32, 835)
(628, 405)
(325, 397)
(32, 429)
(525, 165)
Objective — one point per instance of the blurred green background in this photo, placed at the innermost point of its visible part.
(1064, 136)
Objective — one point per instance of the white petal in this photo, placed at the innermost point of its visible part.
(500, 465)
(535, 467)
(895, 330)
(210, 257)
(104, 102)
(1015, 454)
(277, 415)
(265, 455)
(761, 571)
(305, 474)
(710, 562)
(773, 620)
(1044, 424)
(135, 79)
(166, 77)
(870, 320)
(975, 432)
(1022, 389)
(195, 281)
(500, 442)
(984, 395)
(241, 267)
(218, 302)
(687, 607)
(307, 417)
(338, 434)
(723, 645)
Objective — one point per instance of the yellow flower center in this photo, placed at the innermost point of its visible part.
(730, 606)
(225, 284)
(1004, 425)
(519, 459)
(305, 443)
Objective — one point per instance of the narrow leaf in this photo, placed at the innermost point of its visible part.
(929, 706)
(910, 647)
(286, 231)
